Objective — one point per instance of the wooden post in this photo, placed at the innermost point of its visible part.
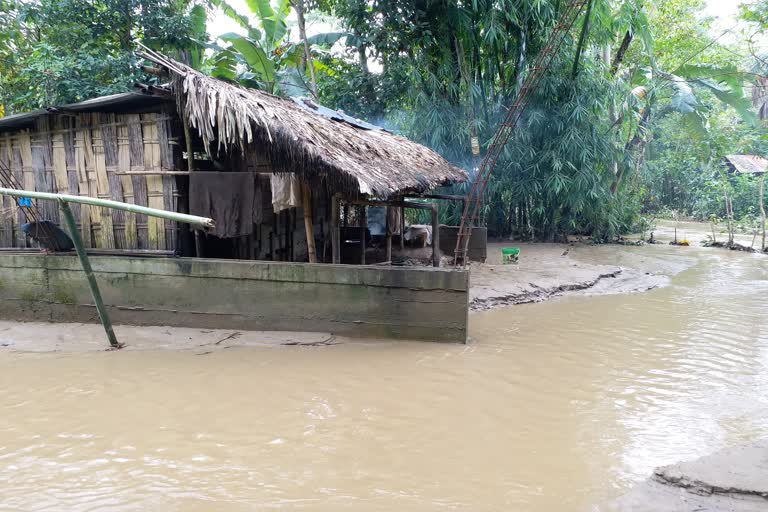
(286, 217)
(199, 251)
(77, 240)
(309, 226)
(363, 228)
(435, 235)
(388, 257)
(402, 228)
(272, 237)
(335, 231)
(762, 210)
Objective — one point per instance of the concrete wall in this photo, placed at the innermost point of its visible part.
(404, 303)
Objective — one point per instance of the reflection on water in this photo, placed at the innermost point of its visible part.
(556, 406)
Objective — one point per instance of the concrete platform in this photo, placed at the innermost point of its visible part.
(415, 303)
(731, 480)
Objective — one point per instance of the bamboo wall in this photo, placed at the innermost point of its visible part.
(91, 154)
(94, 154)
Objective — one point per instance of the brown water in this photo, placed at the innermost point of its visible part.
(556, 406)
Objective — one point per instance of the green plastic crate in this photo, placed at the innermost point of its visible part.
(510, 255)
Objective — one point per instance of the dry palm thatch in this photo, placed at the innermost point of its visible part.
(354, 159)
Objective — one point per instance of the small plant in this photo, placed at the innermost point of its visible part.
(713, 221)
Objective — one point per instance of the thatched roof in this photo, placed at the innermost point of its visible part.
(297, 139)
(133, 102)
(747, 164)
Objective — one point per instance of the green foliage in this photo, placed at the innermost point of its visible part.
(60, 51)
(635, 116)
(265, 58)
(449, 71)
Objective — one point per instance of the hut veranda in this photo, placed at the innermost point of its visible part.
(267, 169)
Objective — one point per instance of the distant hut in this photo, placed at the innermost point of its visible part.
(274, 173)
(746, 164)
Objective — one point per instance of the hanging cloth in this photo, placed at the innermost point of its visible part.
(394, 220)
(286, 191)
(228, 198)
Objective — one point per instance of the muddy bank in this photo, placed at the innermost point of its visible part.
(733, 480)
(34, 337)
(550, 270)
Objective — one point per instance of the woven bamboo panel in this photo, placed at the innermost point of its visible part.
(42, 168)
(18, 173)
(155, 197)
(8, 210)
(126, 182)
(87, 154)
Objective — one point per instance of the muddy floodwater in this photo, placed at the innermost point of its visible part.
(557, 406)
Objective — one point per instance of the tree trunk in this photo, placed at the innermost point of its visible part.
(728, 211)
(308, 62)
(619, 58)
(125, 36)
(520, 68)
(640, 140)
(510, 219)
(762, 211)
(582, 40)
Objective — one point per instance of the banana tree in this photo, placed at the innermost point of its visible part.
(265, 58)
(680, 91)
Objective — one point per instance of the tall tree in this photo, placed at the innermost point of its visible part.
(59, 51)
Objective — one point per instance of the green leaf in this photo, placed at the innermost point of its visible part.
(728, 76)
(683, 98)
(271, 20)
(253, 55)
(738, 101)
(695, 124)
(198, 18)
(230, 12)
(331, 38)
(224, 65)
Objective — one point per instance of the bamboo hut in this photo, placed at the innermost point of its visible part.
(199, 142)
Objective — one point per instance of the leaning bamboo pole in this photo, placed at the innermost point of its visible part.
(201, 222)
(64, 200)
(101, 309)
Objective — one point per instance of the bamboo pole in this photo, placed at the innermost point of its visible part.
(200, 222)
(762, 210)
(77, 240)
(199, 248)
(335, 230)
(309, 226)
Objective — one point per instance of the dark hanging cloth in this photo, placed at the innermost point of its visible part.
(229, 198)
